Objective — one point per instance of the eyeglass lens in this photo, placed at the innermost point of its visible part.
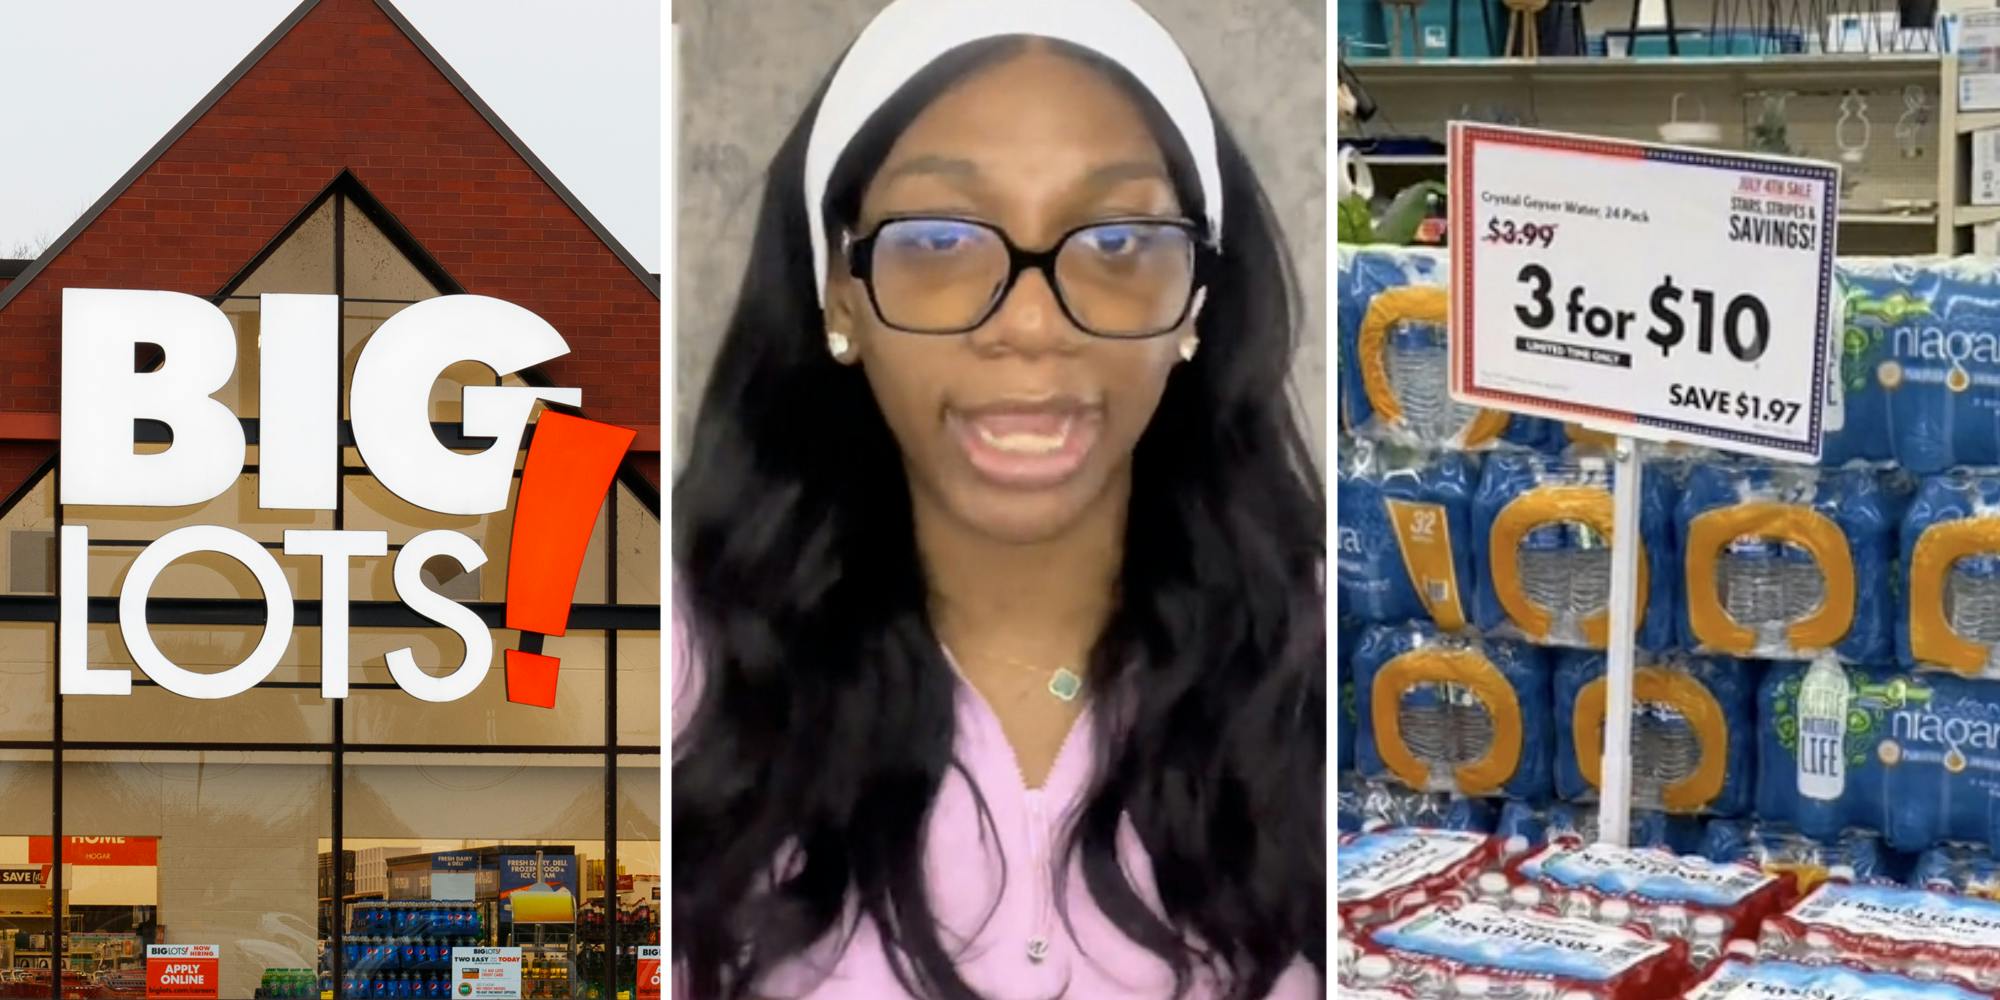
(1117, 279)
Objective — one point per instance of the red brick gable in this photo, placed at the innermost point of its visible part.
(343, 86)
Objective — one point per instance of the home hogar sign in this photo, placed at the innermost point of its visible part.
(570, 466)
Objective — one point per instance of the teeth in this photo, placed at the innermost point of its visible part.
(1025, 444)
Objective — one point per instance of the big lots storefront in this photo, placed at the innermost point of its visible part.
(307, 342)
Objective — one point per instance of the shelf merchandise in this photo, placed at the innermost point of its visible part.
(1453, 712)
(1693, 736)
(1406, 547)
(402, 950)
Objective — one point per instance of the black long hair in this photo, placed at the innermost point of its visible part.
(802, 784)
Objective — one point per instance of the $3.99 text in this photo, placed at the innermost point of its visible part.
(1744, 321)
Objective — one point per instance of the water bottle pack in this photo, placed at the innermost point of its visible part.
(1572, 823)
(1345, 632)
(1384, 875)
(1541, 530)
(1394, 366)
(1852, 856)
(1453, 712)
(1385, 804)
(1765, 980)
(1693, 732)
(1951, 562)
(1521, 945)
(1587, 878)
(1912, 756)
(1920, 363)
(1965, 869)
(1894, 929)
(1784, 562)
(1405, 534)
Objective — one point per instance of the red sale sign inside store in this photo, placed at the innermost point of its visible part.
(183, 972)
(98, 851)
(649, 972)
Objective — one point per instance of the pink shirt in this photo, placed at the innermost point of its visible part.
(964, 876)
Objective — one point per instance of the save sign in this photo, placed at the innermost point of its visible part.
(569, 469)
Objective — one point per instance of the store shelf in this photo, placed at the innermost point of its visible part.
(1404, 160)
(1974, 121)
(1846, 68)
(1925, 219)
(1972, 215)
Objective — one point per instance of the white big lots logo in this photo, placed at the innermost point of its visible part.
(298, 460)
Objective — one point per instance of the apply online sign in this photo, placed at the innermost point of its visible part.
(183, 972)
(569, 469)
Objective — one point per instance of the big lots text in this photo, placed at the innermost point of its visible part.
(298, 462)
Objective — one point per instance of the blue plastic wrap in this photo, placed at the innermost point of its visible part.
(1854, 499)
(1920, 363)
(1571, 821)
(1968, 607)
(1364, 273)
(1508, 476)
(1522, 668)
(1371, 569)
(1775, 849)
(1917, 759)
(1732, 683)
(1345, 721)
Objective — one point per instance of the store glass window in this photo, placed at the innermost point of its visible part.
(338, 847)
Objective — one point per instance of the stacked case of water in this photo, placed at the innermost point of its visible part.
(1782, 562)
(1913, 756)
(1576, 823)
(1920, 363)
(1405, 537)
(1394, 372)
(1693, 732)
(1453, 713)
(1541, 530)
(1951, 572)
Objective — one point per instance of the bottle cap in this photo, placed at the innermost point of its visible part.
(1373, 968)
(1710, 925)
(1615, 911)
(1472, 985)
(1526, 895)
(1818, 941)
(1493, 884)
(1841, 873)
(1516, 844)
(1741, 946)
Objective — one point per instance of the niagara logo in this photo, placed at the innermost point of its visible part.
(568, 472)
(1956, 733)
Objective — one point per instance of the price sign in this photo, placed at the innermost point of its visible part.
(1651, 291)
(486, 973)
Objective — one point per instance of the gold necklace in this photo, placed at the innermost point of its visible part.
(1063, 683)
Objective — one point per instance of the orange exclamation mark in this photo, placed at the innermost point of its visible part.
(570, 466)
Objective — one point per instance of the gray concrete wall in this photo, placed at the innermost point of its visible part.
(747, 67)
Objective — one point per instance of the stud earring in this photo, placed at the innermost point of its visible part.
(837, 344)
(1188, 345)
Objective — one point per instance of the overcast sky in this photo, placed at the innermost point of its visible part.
(92, 84)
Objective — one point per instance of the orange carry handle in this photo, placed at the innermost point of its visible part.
(1410, 304)
(1684, 694)
(1712, 530)
(1465, 668)
(1588, 505)
(1941, 545)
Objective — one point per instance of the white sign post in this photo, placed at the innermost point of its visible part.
(1649, 292)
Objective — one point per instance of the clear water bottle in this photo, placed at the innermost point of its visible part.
(1579, 904)
(1705, 946)
(1818, 947)
(1741, 948)
(1750, 577)
(1589, 581)
(1418, 362)
(1346, 954)
(1374, 970)
(1425, 980)
(1614, 913)
(1665, 750)
(1670, 921)
(1525, 897)
(1774, 941)
(1972, 598)
(1545, 565)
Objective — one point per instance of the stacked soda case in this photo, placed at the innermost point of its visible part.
(288, 984)
(402, 951)
(1917, 933)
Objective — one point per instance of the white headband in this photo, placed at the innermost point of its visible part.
(909, 35)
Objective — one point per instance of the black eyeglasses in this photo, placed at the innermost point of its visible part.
(1122, 278)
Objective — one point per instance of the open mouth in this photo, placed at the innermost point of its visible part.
(1026, 444)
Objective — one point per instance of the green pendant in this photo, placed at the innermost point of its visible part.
(1065, 685)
